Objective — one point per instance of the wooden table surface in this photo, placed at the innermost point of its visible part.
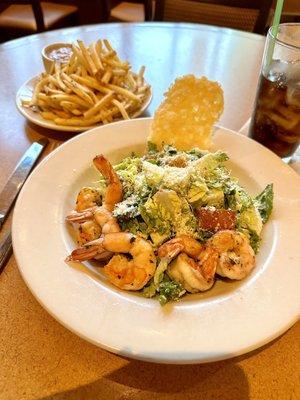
(41, 359)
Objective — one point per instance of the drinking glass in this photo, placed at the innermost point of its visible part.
(276, 117)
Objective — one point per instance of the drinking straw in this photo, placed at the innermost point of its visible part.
(274, 30)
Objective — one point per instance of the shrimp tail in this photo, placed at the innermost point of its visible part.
(170, 249)
(78, 217)
(168, 252)
(88, 251)
(114, 192)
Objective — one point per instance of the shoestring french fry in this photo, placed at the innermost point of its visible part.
(99, 105)
(94, 86)
(121, 108)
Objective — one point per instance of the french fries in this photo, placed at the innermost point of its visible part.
(94, 87)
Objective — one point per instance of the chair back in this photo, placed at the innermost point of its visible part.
(249, 14)
(36, 8)
(148, 7)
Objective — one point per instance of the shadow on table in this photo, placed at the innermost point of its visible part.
(34, 132)
(140, 380)
(143, 381)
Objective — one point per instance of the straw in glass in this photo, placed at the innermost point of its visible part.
(274, 31)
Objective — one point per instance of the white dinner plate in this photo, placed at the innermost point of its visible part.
(230, 319)
(25, 93)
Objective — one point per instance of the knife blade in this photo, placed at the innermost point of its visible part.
(18, 177)
(5, 250)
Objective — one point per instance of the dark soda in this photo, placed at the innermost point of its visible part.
(276, 118)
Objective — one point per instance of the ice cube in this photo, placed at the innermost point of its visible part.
(278, 72)
(293, 94)
(293, 71)
(278, 66)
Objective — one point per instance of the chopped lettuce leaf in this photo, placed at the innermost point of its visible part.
(243, 199)
(169, 153)
(229, 196)
(218, 178)
(128, 171)
(248, 216)
(193, 180)
(166, 290)
(101, 186)
(169, 290)
(254, 241)
(235, 196)
(264, 202)
(168, 214)
(214, 197)
(177, 179)
(158, 238)
(207, 164)
(186, 222)
(197, 189)
(149, 290)
(160, 270)
(167, 177)
(196, 153)
(253, 237)
(250, 219)
(158, 212)
(128, 208)
(153, 173)
(136, 226)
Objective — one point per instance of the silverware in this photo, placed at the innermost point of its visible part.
(11, 191)
(18, 177)
(5, 250)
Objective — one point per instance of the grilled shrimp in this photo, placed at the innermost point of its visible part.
(195, 276)
(183, 243)
(236, 257)
(194, 267)
(87, 208)
(87, 231)
(127, 274)
(114, 191)
(87, 197)
(100, 215)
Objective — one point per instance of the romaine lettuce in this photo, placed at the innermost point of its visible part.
(250, 219)
(166, 290)
(169, 290)
(129, 173)
(168, 214)
(264, 202)
(206, 166)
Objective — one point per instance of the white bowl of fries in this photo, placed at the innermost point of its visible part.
(95, 87)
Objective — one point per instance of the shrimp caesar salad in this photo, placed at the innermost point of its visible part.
(172, 221)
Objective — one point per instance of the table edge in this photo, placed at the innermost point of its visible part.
(11, 44)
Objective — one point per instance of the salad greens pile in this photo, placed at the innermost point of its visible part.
(162, 190)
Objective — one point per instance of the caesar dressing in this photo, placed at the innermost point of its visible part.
(61, 54)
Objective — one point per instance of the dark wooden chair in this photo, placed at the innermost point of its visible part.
(290, 12)
(23, 17)
(250, 15)
(130, 11)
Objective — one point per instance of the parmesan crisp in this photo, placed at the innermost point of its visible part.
(186, 116)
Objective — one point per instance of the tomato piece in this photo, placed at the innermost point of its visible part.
(215, 220)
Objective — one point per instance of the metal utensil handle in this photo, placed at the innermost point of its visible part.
(18, 177)
(5, 250)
